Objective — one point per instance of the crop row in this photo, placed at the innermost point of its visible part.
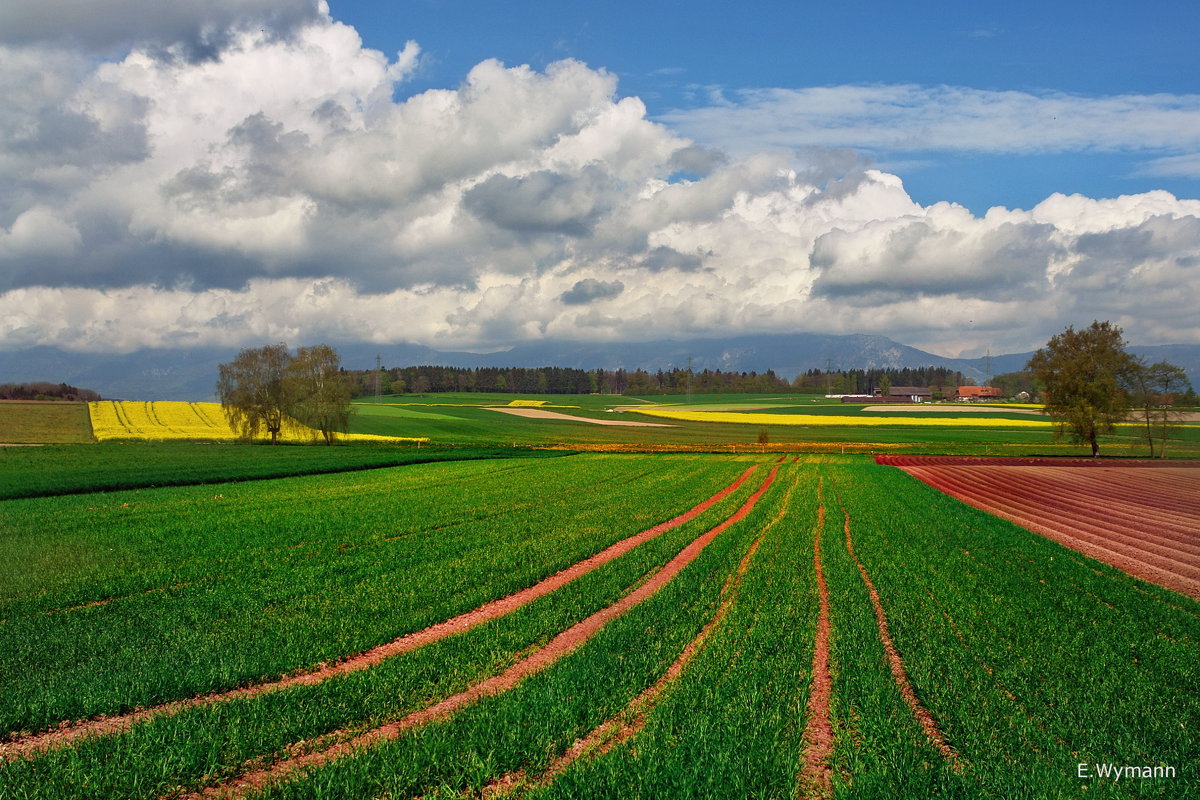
(1147, 526)
(1030, 658)
(197, 741)
(141, 597)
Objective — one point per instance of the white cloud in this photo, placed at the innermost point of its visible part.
(911, 118)
(1184, 166)
(281, 191)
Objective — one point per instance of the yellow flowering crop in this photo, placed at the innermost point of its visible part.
(170, 419)
(829, 419)
(523, 403)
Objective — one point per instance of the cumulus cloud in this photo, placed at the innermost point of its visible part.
(286, 189)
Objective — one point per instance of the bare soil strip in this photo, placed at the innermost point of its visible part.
(68, 732)
(537, 413)
(923, 717)
(903, 460)
(107, 600)
(629, 722)
(817, 772)
(557, 648)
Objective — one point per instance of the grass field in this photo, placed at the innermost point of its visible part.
(470, 619)
(44, 422)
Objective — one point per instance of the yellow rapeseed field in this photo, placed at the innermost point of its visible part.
(749, 418)
(171, 419)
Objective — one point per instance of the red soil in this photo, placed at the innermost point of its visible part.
(816, 774)
(1140, 517)
(557, 648)
(901, 460)
(68, 732)
(922, 715)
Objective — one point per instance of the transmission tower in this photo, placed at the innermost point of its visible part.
(689, 381)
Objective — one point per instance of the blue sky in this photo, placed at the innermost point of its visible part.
(674, 55)
(962, 177)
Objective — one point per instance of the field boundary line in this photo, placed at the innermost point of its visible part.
(816, 776)
(630, 721)
(1090, 539)
(919, 712)
(64, 734)
(1165, 529)
(557, 648)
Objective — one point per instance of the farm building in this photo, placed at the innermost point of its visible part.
(904, 394)
(968, 394)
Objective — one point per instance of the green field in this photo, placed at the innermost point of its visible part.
(473, 424)
(471, 420)
(1030, 658)
(471, 618)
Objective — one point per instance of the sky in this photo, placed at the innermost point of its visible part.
(961, 177)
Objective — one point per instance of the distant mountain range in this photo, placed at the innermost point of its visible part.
(190, 374)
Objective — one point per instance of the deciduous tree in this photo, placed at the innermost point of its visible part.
(253, 391)
(318, 392)
(1156, 388)
(1083, 372)
(267, 389)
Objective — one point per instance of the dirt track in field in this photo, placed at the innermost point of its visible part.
(68, 732)
(816, 776)
(537, 413)
(919, 712)
(1140, 517)
(557, 648)
(627, 724)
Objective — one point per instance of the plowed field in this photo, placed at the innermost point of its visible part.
(1142, 517)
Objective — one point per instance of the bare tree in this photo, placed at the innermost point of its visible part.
(318, 392)
(1155, 389)
(253, 392)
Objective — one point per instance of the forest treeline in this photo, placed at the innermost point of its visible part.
(44, 390)
(567, 380)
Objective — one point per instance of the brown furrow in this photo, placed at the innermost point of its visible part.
(557, 648)
(1090, 539)
(65, 733)
(817, 773)
(629, 722)
(919, 712)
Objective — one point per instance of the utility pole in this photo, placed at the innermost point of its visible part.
(828, 376)
(987, 367)
(378, 369)
(689, 381)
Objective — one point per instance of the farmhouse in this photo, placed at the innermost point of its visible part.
(975, 394)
